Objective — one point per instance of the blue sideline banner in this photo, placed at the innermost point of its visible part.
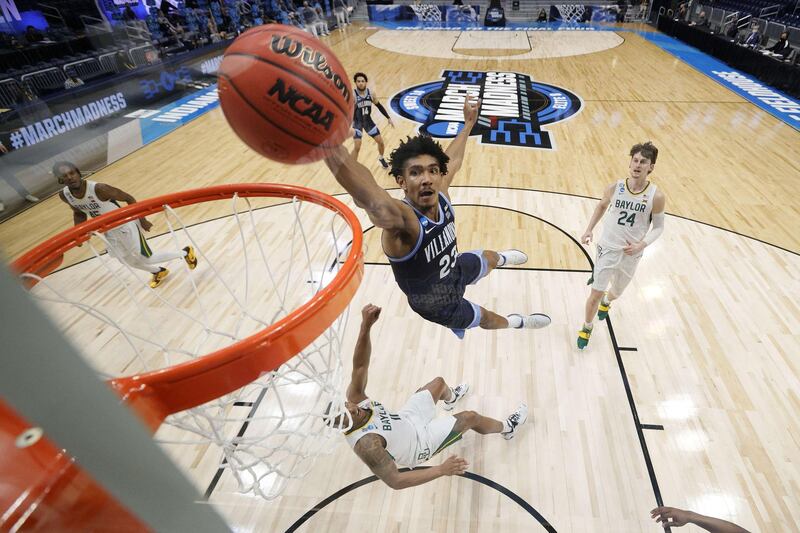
(98, 123)
(45, 119)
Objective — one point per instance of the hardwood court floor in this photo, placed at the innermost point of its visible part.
(712, 315)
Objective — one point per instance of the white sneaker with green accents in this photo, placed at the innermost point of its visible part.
(458, 392)
(514, 421)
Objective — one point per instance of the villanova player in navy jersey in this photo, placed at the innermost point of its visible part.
(362, 117)
(419, 232)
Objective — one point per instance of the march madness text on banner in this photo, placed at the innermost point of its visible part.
(513, 107)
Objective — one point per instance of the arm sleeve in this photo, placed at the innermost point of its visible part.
(382, 109)
(657, 229)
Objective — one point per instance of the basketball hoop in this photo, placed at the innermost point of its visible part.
(570, 12)
(274, 364)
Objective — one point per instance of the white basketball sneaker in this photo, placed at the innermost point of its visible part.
(513, 257)
(458, 392)
(533, 321)
(514, 421)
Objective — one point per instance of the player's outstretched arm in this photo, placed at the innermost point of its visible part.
(383, 111)
(383, 210)
(674, 517)
(108, 192)
(371, 450)
(458, 145)
(599, 210)
(356, 391)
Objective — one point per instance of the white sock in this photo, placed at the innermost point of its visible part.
(588, 325)
(502, 260)
(506, 426)
(514, 321)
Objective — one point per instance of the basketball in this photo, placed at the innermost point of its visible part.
(285, 94)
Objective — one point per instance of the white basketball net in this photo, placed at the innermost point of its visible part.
(427, 12)
(255, 267)
(570, 12)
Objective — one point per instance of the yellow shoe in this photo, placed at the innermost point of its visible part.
(602, 310)
(583, 337)
(158, 277)
(190, 257)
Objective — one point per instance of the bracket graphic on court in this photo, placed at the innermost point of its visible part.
(513, 107)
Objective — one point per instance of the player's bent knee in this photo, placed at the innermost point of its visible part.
(492, 258)
(466, 420)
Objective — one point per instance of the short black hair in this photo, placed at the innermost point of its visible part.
(647, 149)
(360, 75)
(58, 164)
(413, 147)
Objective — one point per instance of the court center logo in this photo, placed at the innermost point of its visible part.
(513, 107)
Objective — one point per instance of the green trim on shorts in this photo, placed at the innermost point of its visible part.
(453, 437)
(144, 249)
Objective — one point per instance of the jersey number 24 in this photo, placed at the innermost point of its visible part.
(625, 219)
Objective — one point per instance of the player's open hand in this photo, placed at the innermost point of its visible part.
(670, 516)
(586, 238)
(146, 224)
(453, 466)
(633, 248)
(370, 314)
(471, 108)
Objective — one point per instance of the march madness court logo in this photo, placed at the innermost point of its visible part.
(513, 107)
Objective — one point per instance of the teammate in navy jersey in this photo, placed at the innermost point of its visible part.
(362, 117)
(419, 235)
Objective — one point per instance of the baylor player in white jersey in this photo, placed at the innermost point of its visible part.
(630, 206)
(126, 242)
(385, 440)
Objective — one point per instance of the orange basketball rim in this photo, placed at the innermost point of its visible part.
(158, 394)
(38, 479)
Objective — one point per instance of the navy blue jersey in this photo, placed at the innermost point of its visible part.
(363, 109)
(427, 273)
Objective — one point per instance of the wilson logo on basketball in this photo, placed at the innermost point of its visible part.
(301, 104)
(314, 59)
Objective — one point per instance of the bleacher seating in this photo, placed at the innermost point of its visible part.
(91, 55)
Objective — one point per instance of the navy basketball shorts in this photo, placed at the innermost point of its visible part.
(446, 305)
(368, 126)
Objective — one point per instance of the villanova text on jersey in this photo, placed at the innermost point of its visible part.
(446, 237)
(424, 273)
(363, 109)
